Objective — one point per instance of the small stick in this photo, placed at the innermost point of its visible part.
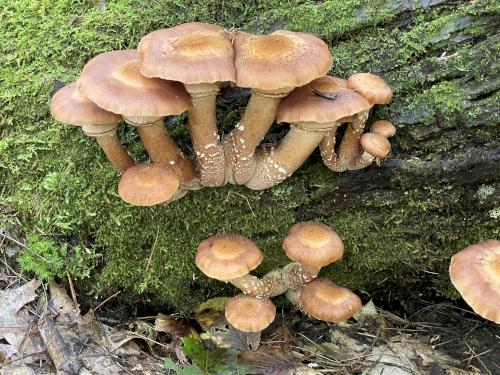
(72, 290)
(106, 300)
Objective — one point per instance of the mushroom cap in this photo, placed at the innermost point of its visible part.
(313, 244)
(475, 272)
(375, 144)
(148, 184)
(227, 257)
(191, 53)
(327, 301)
(249, 314)
(70, 107)
(383, 127)
(303, 104)
(371, 86)
(279, 60)
(113, 81)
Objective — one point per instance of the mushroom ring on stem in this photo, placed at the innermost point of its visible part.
(200, 56)
(70, 107)
(271, 65)
(230, 258)
(311, 116)
(475, 272)
(112, 80)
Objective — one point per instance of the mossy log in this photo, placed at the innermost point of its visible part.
(401, 221)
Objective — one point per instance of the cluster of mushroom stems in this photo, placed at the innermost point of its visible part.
(182, 69)
(310, 246)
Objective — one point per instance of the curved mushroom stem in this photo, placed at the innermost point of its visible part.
(274, 164)
(270, 285)
(204, 133)
(162, 149)
(350, 147)
(107, 138)
(240, 144)
(293, 296)
(375, 146)
(327, 150)
(296, 275)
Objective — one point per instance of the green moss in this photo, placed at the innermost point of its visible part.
(398, 232)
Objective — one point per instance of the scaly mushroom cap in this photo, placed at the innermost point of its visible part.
(190, 53)
(475, 272)
(112, 80)
(375, 144)
(70, 107)
(321, 101)
(326, 301)
(371, 86)
(148, 184)
(383, 127)
(227, 257)
(313, 244)
(279, 60)
(250, 314)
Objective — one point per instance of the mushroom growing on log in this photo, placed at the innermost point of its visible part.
(70, 107)
(112, 80)
(271, 65)
(200, 56)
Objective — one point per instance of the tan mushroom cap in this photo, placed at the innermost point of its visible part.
(113, 81)
(313, 244)
(375, 144)
(279, 60)
(371, 86)
(383, 127)
(303, 104)
(70, 107)
(326, 301)
(475, 272)
(250, 314)
(148, 184)
(190, 53)
(227, 257)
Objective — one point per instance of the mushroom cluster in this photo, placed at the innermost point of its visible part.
(310, 245)
(182, 69)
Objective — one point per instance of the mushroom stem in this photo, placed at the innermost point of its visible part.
(327, 150)
(293, 296)
(274, 164)
(106, 137)
(296, 275)
(270, 285)
(204, 133)
(240, 144)
(350, 147)
(162, 149)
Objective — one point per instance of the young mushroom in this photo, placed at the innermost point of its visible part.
(149, 184)
(70, 107)
(112, 80)
(271, 65)
(475, 272)
(250, 315)
(200, 56)
(376, 91)
(311, 116)
(230, 258)
(324, 300)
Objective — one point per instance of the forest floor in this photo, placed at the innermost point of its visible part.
(49, 326)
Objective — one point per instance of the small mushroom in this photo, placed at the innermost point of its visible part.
(312, 245)
(326, 301)
(70, 107)
(376, 91)
(250, 315)
(271, 65)
(149, 184)
(310, 116)
(112, 80)
(230, 258)
(200, 56)
(475, 272)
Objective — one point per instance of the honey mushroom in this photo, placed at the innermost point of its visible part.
(272, 66)
(112, 80)
(200, 56)
(70, 107)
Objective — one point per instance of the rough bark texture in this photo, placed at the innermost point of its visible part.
(401, 222)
